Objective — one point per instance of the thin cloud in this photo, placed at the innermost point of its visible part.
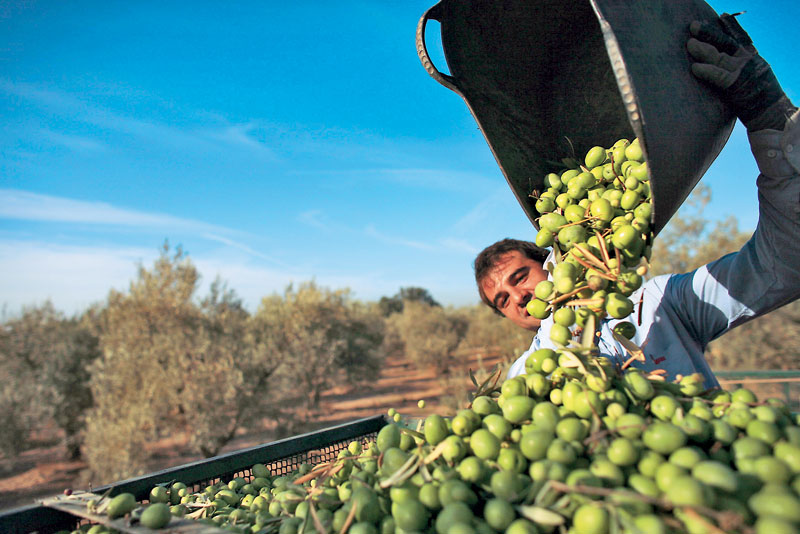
(460, 245)
(319, 220)
(487, 209)
(371, 231)
(434, 179)
(446, 180)
(223, 136)
(24, 205)
(313, 218)
(240, 135)
(241, 246)
(77, 143)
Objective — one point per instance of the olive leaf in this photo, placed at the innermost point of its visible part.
(541, 516)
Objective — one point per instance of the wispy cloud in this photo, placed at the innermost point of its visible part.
(222, 135)
(435, 179)
(241, 136)
(460, 245)
(500, 199)
(371, 231)
(447, 180)
(313, 218)
(78, 143)
(24, 205)
(244, 248)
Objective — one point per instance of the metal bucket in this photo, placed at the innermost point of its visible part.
(545, 79)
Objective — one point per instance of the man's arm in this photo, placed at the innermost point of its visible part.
(765, 274)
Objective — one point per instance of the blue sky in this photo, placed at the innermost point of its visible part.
(275, 143)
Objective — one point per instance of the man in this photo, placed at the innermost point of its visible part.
(678, 315)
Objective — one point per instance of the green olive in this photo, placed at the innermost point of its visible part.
(618, 305)
(518, 408)
(664, 437)
(630, 199)
(435, 429)
(568, 175)
(595, 156)
(624, 329)
(484, 444)
(574, 213)
(564, 316)
(156, 516)
(625, 237)
(538, 308)
(545, 205)
(560, 334)
(591, 519)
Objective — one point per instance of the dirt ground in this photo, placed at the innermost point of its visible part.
(41, 471)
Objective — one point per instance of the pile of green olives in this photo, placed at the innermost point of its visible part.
(576, 445)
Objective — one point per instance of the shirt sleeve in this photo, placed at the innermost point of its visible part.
(765, 273)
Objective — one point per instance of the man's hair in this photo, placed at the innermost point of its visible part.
(488, 258)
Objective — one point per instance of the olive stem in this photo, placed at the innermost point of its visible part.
(641, 301)
(412, 433)
(601, 242)
(578, 222)
(590, 266)
(566, 296)
(585, 302)
(320, 469)
(591, 257)
(315, 519)
(350, 518)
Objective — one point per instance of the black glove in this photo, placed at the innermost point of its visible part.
(727, 60)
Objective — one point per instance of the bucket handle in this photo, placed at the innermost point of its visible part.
(422, 50)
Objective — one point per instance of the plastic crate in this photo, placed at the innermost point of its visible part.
(281, 457)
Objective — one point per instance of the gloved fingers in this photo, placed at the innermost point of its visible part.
(703, 52)
(713, 34)
(716, 76)
(706, 53)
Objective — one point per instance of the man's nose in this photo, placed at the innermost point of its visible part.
(518, 296)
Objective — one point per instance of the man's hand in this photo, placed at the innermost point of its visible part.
(726, 59)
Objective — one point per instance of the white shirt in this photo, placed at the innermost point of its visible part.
(682, 313)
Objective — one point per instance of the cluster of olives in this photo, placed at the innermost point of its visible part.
(577, 445)
(596, 216)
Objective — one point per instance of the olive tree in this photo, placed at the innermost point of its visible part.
(171, 365)
(44, 358)
(394, 304)
(427, 335)
(321, 337)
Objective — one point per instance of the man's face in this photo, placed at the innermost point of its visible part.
(510, 284)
